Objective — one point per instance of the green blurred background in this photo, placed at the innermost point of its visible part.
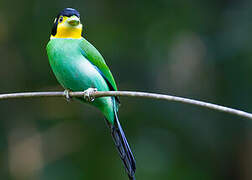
(191, 48)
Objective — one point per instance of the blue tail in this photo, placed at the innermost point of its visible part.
(123, 148)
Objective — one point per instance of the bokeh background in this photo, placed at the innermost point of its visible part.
(190, 48)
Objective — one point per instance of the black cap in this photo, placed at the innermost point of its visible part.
(69, 12)
(65, 12)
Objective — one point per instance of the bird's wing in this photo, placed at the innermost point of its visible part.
(93, 55)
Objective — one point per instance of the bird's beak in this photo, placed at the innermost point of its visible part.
(73, 21)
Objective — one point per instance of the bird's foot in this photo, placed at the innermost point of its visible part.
(88, 94)
(68, 98)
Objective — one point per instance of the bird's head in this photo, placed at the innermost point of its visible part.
(67, 24)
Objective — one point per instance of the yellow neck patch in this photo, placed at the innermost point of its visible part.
(65, 30)
(68, 32)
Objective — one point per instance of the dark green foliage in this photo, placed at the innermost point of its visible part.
(198, 49)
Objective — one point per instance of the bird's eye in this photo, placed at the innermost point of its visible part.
(60, 19)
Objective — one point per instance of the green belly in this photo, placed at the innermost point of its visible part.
(76, 73)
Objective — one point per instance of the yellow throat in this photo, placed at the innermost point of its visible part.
(66, 30)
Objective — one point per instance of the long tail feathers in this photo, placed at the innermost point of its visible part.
(123, 148)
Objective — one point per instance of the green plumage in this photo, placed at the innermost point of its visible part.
(91, 53)
(76, 65)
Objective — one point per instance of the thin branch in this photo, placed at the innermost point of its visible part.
(98, 94)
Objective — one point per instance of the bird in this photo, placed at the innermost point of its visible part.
(78, 66)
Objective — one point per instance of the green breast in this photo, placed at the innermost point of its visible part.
(76, 73)
(64, 57)
(71, 68)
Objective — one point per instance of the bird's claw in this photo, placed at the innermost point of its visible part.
(88, 94)
(68, 98)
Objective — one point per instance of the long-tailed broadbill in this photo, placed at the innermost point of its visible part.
(79, 66)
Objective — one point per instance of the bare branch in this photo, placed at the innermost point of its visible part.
(98, 94)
